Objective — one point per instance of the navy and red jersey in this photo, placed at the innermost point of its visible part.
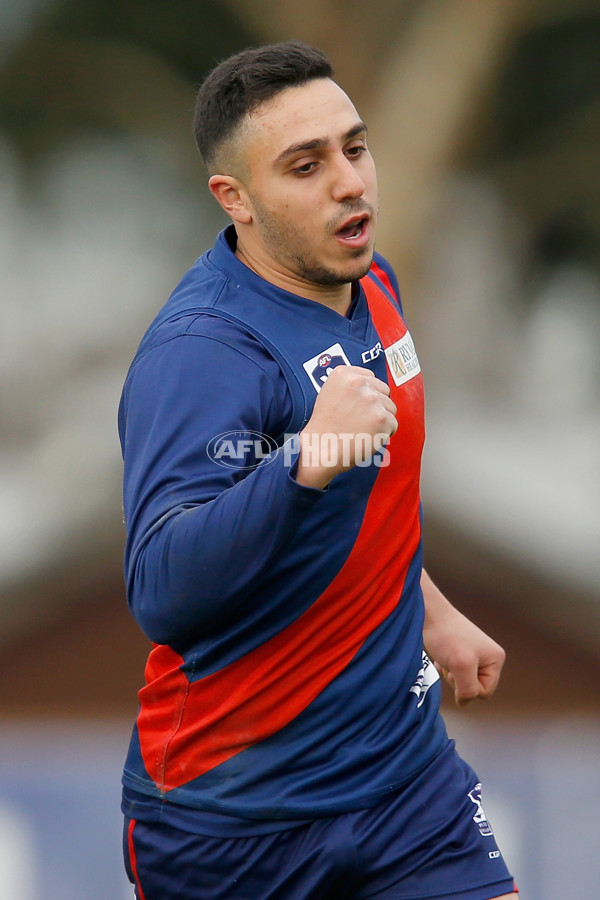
(287, 678)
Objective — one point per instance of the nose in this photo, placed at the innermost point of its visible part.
(347, 182)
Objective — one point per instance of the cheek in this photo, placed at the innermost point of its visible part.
(303, 218)
(299, 212)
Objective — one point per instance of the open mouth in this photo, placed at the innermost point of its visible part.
(354, 231)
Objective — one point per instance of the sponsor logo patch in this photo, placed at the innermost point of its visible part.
(320, 367)
(402, 360)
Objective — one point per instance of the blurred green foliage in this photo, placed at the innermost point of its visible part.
(59, 79)
(552, 74)
(90, 66)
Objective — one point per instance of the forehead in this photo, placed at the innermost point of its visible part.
(317, 110)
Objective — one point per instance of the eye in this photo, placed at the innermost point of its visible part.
(305, 168)
(355, 151)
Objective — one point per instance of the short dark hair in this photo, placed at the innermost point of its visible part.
(245, 80)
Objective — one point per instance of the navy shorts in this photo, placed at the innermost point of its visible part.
(429, 840)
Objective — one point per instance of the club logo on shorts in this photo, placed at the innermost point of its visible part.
(320, 367)
(480, 817)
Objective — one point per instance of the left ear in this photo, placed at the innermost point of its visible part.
(232, 197)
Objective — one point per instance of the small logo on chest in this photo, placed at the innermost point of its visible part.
(373, 353)
(320, 367)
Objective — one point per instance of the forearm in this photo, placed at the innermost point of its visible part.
(469, 659)
(437, 606)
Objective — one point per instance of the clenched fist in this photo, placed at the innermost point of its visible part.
(352, 418)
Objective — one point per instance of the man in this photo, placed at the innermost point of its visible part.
(288, 742)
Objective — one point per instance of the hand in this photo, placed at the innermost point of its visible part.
(352, 418)
(469, 660)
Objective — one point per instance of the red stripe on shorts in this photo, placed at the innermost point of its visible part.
(132, 858)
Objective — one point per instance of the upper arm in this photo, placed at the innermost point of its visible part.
(178, 397)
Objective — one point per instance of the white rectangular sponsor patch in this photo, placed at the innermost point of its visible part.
(402, 360)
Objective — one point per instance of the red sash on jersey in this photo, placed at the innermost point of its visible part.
(187, 728)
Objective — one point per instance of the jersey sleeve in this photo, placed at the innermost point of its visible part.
(200, 534)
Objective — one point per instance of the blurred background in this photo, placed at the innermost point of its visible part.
(484, 119)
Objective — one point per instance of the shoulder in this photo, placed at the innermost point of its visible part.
(202, 336)
(201, 359)
(382, 269)
(207, 349)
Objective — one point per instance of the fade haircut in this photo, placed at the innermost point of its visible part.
(239, 84)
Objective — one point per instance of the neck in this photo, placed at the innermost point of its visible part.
(337, 297)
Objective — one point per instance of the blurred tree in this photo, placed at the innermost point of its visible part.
(439, 81)
(431, 78)
(93, 65)
(541, 133)
(509, 88)
(422, 74)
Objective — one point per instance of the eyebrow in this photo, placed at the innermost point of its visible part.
(317, 143)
